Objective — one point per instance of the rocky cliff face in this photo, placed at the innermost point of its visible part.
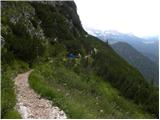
(16, 14)
(30, 21)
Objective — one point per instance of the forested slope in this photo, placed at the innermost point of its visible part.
(148, 68)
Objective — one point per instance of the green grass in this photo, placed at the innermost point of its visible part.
(8, 97)
(82, 95)
(12, 114)
(82, 85)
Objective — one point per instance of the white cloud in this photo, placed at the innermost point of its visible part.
(140, 17)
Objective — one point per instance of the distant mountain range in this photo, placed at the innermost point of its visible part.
(148, 68)
(148, 46)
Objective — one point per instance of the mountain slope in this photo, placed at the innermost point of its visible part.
(82, 95)
(148, 68)
(72, 67)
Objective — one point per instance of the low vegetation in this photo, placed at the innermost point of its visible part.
(8, 96)
(82, 95)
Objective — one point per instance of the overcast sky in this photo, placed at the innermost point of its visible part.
(140, 17)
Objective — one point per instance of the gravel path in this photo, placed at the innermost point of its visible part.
(29, 103)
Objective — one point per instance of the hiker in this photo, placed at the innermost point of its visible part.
(88, 59)
(71, 56)
(79, 55)
(55, 39)
(95, 51)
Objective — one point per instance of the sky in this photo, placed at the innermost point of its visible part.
(140, 17)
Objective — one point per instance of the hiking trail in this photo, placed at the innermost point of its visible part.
(30, 105)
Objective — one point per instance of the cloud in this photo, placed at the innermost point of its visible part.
(140, 17)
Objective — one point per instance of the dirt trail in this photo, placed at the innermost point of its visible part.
(29, 103)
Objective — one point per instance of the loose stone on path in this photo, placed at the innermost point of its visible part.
(29, 103)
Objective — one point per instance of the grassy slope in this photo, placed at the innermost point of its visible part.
(107, 63)
(8, 97)
(82, 95)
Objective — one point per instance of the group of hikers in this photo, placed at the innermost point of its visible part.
(75, 59)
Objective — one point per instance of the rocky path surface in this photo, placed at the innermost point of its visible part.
(29, 103)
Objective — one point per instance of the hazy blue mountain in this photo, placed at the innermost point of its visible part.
(148, 46)
(153, 43)
(148, 68)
